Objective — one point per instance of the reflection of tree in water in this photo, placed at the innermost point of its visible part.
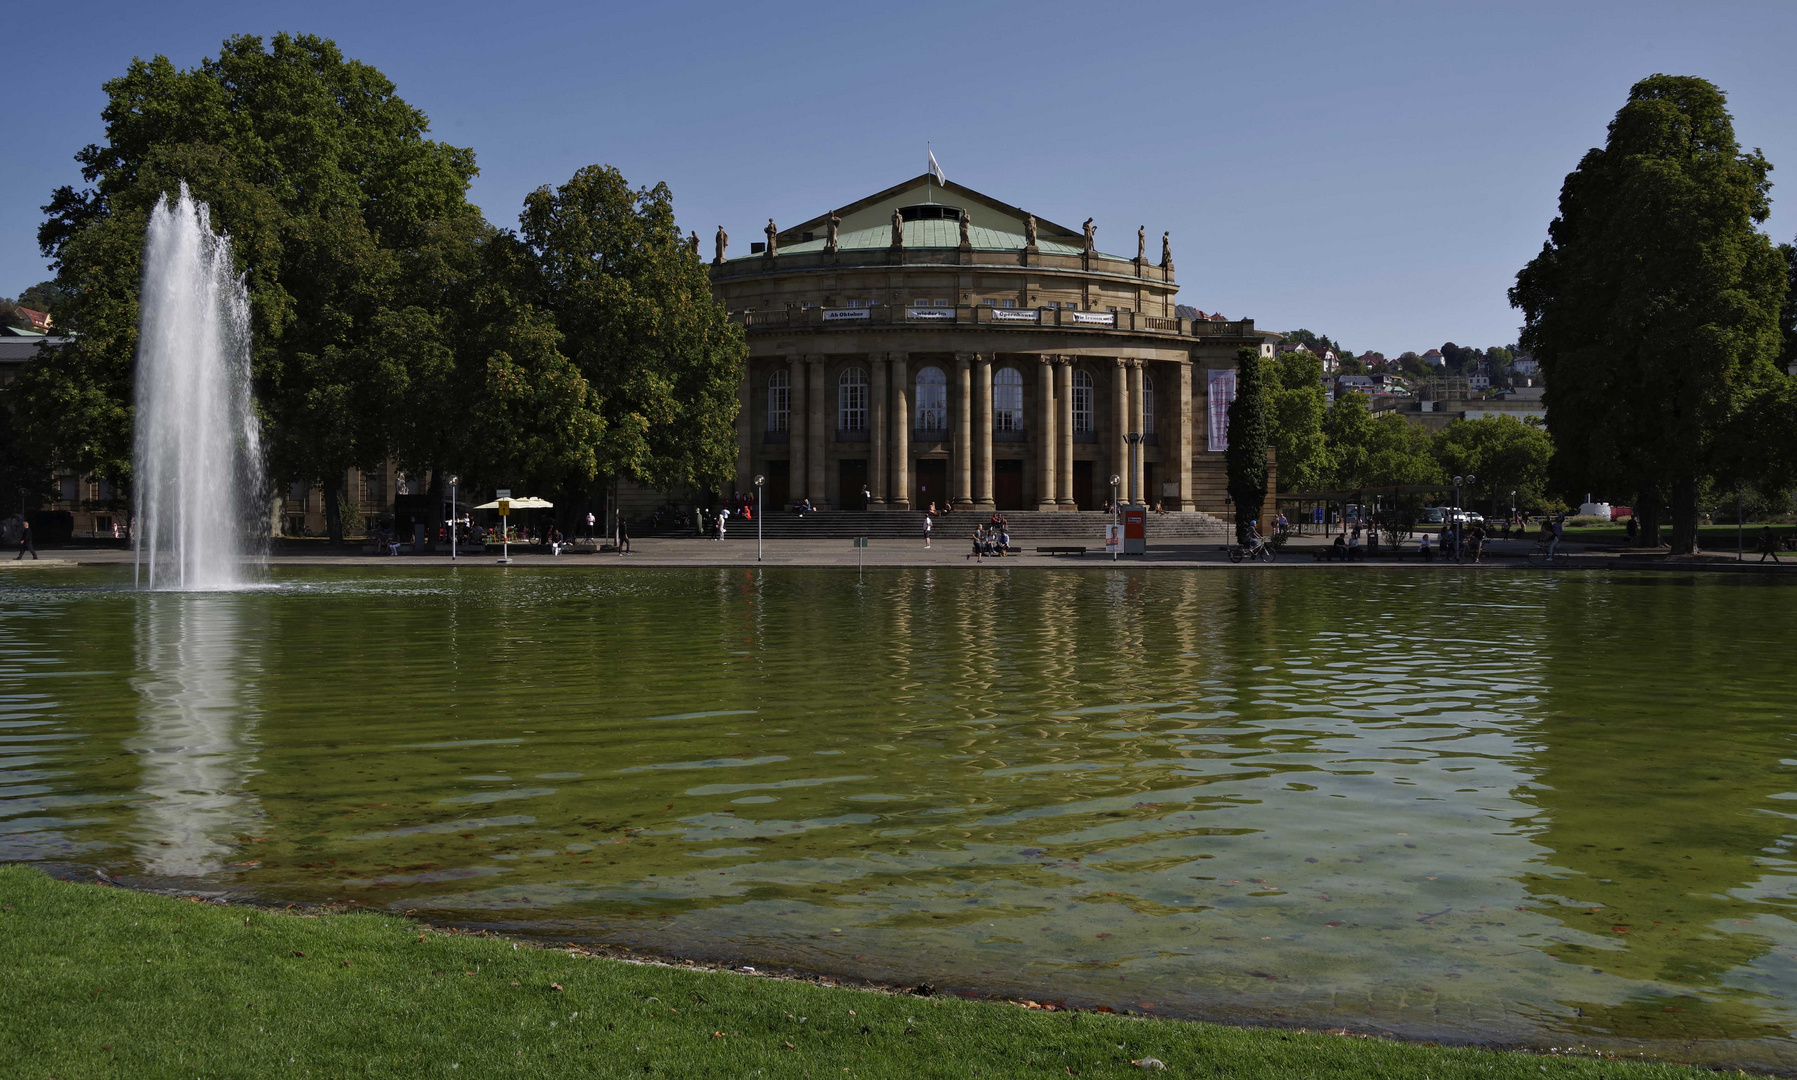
(1661, 744)
(194, 744)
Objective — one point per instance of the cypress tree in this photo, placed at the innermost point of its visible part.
(1654, 305)
(1246, 456)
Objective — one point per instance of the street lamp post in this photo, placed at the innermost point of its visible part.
(452, 507)
(1117, 541)
(759, 480)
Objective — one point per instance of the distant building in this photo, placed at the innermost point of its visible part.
(1524, 364)
(1478, 382)
(1433, 358)
(39, 320)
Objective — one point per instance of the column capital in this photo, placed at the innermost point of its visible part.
(964, 360)
(814, 358)
(1120, 361)
(1137, 362)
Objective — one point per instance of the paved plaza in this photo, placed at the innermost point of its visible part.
(1298, 553)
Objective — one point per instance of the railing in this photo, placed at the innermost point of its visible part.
(1016, 318)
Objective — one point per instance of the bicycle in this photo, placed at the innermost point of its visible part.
(1256, 549)
(1541, 557)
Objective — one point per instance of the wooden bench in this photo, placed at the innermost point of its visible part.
(1061, 550)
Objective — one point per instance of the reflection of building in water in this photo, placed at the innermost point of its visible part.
(194, 741)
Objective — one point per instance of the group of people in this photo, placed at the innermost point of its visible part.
(989, 538)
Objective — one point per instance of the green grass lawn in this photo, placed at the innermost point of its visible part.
(1709, 537)
(103, 982)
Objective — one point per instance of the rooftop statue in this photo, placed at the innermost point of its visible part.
(830, 237)
(1029, 229)
(966, 237)
(723, 242)
(1091, 232)
(773, 238)
(898, 230)
(692, 243)
(1141, 242)
(1167, 250)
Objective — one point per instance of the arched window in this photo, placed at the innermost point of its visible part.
(851, 400)
(779, 401)
(1007, 400)
(1082, 401)
(932, 400)
(1147, 404)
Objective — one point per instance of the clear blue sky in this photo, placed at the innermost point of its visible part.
(1375, 171)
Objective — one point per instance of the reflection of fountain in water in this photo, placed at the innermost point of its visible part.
(198, 458)
(194, 744)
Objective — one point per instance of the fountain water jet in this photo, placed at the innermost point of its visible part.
(198, 454)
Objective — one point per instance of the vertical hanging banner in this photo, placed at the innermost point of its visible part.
(1222, 392)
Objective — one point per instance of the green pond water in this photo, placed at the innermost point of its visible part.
(1494, 805)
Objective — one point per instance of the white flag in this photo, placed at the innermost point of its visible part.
(936, 170)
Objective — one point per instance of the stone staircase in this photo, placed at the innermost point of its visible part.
(1027, 526)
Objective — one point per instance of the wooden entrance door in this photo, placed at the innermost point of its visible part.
(777, 490)
(932, 483)
(1082, 485)
(851, 477)
(1007, 484)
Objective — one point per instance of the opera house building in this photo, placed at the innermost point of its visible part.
(929, 344)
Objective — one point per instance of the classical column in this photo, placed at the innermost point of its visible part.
(745, 447)
(820, 423)
(1064, 429)
(1136, 494)
(1119, 427)
(1182, 471)
(900, 498)
(1046, 443)
(876, 433)
(795, 428)
(963, 431)
(982, 432)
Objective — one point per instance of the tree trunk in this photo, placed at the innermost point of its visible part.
(333, 510)
(1648, 519)
(1682, 508)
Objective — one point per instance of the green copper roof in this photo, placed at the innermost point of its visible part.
(926, 234)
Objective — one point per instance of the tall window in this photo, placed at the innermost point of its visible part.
(932, 400)
(1007, 400)
(851, 400)
(1082, 401)
(1147, 404)
(779, 401)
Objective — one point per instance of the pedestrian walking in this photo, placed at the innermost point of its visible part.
(723, 519)
(26, 544)
(591, 521)
(623, 537)
(1768, 544)
(927, 522)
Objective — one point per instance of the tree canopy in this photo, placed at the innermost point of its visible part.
(389, 319)
(1246, 455)
(1654, 305)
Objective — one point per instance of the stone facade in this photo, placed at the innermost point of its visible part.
(970, 355)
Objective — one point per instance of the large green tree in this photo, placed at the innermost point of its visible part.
(1382, 451)
(1653, 307)
(1246, 455)
(1506, 454)
(326, 183)
(634, 307)
(1296, 407)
